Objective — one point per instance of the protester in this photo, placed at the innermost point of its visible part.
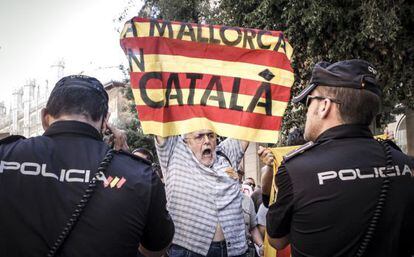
(252, 231)
(248, 186)
(65, 193)
(343, 193)
(250, 181)
(203, 193)
(257, 197)
(261, 219)
(256, 194)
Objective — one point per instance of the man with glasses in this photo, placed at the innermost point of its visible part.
(203, 193)
(344, 193)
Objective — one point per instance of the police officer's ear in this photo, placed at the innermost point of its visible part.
(45, 117)
(325, 108)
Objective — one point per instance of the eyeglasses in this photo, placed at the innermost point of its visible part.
(249, 184)
(309, 98)
(200, 137)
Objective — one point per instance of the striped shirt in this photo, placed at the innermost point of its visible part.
(200, 197)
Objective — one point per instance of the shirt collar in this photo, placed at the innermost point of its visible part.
(345, 131)
(73, 127)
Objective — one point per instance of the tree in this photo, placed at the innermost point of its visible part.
(135, 136)
(181, 10)
(376, 30)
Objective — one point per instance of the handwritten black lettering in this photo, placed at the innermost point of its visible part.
(161, 28)
(263, 88)
(228, 42)
(173, 80)
(214, 82)
(132, 58)
(143, 89)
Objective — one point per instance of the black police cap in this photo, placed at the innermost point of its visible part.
(82, 81)
(358, 74)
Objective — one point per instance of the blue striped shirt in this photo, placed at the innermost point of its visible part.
(200, 197)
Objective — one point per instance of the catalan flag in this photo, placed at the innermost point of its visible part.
(187, 77)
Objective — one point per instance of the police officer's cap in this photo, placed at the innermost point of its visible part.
(358, 74)
(82, 81)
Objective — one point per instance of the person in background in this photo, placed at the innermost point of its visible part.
(261, 219)
(257, 197)
(252, 231)
(250, 182)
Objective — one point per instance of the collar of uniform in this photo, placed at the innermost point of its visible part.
(345, 131)
(72, 127)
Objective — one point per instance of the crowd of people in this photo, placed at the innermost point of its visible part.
(343, 193)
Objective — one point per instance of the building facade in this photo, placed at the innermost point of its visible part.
(23, 115)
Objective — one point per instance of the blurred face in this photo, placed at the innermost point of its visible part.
(250, 182)
(203, 145)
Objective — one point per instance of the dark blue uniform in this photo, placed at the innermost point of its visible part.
(43, 178)
(328, 192)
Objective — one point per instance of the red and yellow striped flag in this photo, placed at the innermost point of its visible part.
(187, 77)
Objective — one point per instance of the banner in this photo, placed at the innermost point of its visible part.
(187, 77)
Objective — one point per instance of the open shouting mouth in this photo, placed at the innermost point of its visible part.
(207, 153)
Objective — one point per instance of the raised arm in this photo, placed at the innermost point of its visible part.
(267, 157)
(244, 145)
(160, 140)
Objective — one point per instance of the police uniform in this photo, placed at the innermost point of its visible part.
(328, 189)
(43, 178)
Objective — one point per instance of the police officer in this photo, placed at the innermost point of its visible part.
(44, 178)
(343, 193)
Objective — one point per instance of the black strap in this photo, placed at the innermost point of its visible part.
(70, 224)
(225, 156)
(386, 183)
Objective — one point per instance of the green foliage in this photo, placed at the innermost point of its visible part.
(135, 136)
(181, 10)
(378, 31)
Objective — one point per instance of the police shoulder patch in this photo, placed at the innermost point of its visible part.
(11, 139)
(298, 151)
